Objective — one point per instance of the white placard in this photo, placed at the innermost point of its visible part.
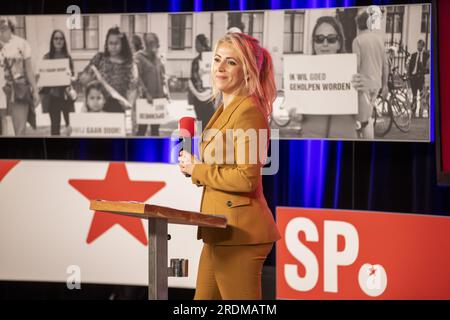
(54, 73)
(320, 84)
(97, 124)
(205, 68)
(155, 113)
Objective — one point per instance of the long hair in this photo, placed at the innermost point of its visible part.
(258, 69)
(337, 26)
(203, 41)
(125, 50)
(52, 50)
(11, 21)
(137, 43)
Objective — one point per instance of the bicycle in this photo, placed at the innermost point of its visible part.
(396, 109)
(401, 110)
(382, 116)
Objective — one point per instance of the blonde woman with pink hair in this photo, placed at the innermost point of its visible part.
(232, 259)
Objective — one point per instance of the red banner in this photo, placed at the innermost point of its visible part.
(338, 254)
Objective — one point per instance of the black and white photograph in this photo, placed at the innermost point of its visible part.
(355, 73)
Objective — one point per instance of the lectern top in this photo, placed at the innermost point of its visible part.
(148, 211)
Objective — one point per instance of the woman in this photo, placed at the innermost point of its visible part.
(3, 110)
(20, 88)
(58, 99)
(328, 38)
(117, 69)
(152, 77)
(232, 259)
(203, 106)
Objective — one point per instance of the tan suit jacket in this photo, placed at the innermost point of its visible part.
(231, 178)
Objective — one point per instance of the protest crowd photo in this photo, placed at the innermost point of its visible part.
(341, 73)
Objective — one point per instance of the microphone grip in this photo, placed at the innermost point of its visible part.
(186, 145)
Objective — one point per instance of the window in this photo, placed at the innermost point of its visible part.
(251, 23)
(180, 31)
(20, 27)
(293, 31)
(133, 24)
(87, 36)
(255, 23)
(394, 19)
(425, 26)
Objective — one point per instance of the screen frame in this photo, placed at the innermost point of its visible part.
(443, 177)
(121, 148)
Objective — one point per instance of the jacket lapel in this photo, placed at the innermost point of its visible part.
(213, 119)
(221, 118)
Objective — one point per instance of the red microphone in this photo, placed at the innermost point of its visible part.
(186, 128)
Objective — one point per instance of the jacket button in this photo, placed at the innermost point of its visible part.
(229, 203)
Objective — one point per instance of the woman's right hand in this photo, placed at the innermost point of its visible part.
(149, 99)
(362, 83)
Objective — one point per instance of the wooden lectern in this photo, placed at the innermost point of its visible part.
(158, 218)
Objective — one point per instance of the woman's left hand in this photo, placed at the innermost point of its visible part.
(187, 162)
(125, 104)
(361, 83)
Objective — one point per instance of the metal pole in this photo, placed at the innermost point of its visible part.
(157, 259)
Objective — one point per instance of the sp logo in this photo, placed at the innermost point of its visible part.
(372, 279)
(74, 20)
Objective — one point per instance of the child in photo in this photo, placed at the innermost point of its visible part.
(95, 97)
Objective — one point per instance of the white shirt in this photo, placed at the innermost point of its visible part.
(419, 58)
(15, 52)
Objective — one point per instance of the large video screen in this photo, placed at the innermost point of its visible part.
(354, 73)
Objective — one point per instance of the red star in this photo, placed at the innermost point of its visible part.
(372, 271)
(117, 186)
(6, 166)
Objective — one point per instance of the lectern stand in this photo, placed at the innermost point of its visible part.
(158, 218)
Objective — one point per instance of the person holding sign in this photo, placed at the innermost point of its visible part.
(115, 67)
(58, 99)
(151, 77)
(373, 67)
(328, 38)
(20, 88)
(231, 261)
(199, 94)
